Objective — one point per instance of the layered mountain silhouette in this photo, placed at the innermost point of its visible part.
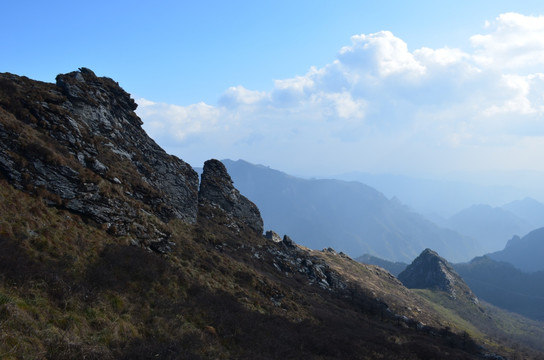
(524, 253)
(491, 226)
(528, 209)
(112, 249)
(497, 282)
(350, 216)
(436, 198)
(501, 284)
(394, 267)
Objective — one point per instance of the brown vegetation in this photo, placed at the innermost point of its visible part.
(92, 282)
(68, 289)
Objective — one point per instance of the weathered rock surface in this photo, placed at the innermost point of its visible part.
(291, 260)
(272, 236)
(431, 271)
(217, 190)
(80, 144)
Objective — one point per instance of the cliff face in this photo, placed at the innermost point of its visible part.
(80, 145)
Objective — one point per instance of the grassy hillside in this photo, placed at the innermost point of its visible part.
(69, 290)
(489, 325)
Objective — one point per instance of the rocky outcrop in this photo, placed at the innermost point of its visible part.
(217, 191)
(272, 236)
(290, 260)
(80, 145)
(431, 271)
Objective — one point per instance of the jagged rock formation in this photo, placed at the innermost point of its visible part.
(289, 259)
(431, 271)
(217, 190)
(80, 145)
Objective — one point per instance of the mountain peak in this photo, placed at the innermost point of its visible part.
(80, 145)
(431, 271)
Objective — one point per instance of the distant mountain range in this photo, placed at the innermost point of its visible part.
(436, 198)
(528, 209)
(501, 278)
(501, 284)
(525, 253)
(346, 215)
(493, 226)
(394, 267)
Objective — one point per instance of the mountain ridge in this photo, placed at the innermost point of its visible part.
(79, 143)
(525, 253)
(99, 261)
(348, 215)
(492, 226)
(503, 285)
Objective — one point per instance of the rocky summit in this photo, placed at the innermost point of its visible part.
(79, 144)
(431, 271)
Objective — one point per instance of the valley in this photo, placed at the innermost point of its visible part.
(110, 248)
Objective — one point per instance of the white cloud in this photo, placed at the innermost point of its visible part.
(440, 57)
(298, 84)
(176, 123)
(344, 105)
(380, 106)
(517, 43)
(239, 95)
(517, 87)
(381, 53)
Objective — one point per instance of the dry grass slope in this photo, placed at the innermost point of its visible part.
(69, 290)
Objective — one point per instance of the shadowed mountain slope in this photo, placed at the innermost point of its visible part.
(394, 268)
(524, 253)
(108, 250)
(349, 216)
(503, 285)
(433, 278)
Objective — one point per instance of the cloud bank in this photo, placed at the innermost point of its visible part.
(381, 107)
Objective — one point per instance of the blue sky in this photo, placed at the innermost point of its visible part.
(309, 87)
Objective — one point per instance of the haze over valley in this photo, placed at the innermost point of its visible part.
(272, 180)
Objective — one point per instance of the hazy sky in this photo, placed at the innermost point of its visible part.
(309, 87)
